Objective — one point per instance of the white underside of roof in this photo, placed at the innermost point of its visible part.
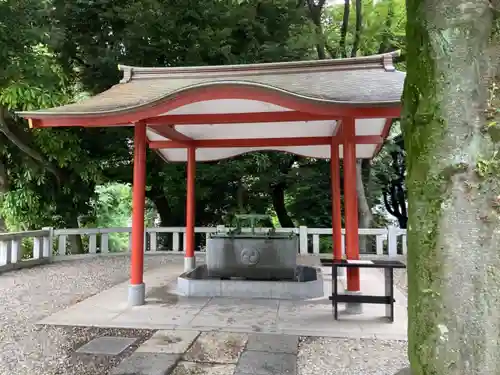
(298, 129)
(212, 154)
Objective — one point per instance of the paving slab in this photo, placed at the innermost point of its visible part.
(106, 345)
(251, 314)
(169, 342)
(262, 363)
(193, 368)
(146, 364)
(273, 343)
(217, 347)
(167, 315)
(166, 310)
(313, 318)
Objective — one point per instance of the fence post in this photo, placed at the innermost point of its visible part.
(392, 241)
(16, 250)
(303, 239)
(5, 256)
(404, 240)
(380, 244)
(175, 241)
(104, 243)
(316, 249)
(37, 248)
(93, 244)
(153, 243)
(61, 248)
(48, 243)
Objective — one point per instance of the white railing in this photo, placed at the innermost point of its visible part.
(30, 248)
(25, 249)
(387, 240)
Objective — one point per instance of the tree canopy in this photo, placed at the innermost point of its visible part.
(64, 51)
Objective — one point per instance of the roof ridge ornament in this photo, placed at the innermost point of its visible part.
(388, 60)
(383, 61)
(127, 73)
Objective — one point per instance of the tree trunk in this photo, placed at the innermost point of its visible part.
(343, 29)
(453, 188)
(278, 197)
(359, 26)
(364, 211)
(75, 240)
(240, 197)
(164, 211)
(315, 11)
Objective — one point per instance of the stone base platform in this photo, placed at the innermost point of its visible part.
(308, 284)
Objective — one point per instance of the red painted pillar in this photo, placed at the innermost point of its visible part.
(136, 295)
(336, 209)
(350, 202)
(189, 259)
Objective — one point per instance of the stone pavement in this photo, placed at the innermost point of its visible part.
(177, 352)
(166, 310)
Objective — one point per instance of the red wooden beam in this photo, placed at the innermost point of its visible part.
(385, 134)
(350, 202)
(189, 260)
(169, 132)
(136, 292)
(336, 202)
(238, 118)
(263, 142)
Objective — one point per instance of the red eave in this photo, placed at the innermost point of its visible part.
(300, 105)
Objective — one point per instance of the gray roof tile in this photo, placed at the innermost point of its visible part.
(362, 80)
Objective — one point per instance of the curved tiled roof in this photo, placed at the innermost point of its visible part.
(369, 80)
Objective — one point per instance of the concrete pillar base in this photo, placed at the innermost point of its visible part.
(353, 308)
(137, 294)
(189, 264)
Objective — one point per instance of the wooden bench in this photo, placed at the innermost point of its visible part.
(387, 299)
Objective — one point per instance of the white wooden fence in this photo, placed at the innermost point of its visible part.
(13, 245)
(386, 239)
(26, 249)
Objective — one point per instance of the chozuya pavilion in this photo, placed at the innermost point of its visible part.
(327, 109)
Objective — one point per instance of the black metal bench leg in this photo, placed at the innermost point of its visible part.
(335, 292)
(389, 292)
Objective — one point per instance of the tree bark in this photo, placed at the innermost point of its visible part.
(75, 240)
(240, 197)
(21, 145)
(278, 198)
(453, 188)
(315, 11)
(359, 26)
(343, 29)
(163, 209)
(364, 212)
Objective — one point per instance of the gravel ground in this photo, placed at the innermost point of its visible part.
(330, 356)
(28, 295)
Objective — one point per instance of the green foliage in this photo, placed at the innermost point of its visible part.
(383, 28)
(62, 51)
(112, 208)
(49, 175)
(325, 245)
(176, 33)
